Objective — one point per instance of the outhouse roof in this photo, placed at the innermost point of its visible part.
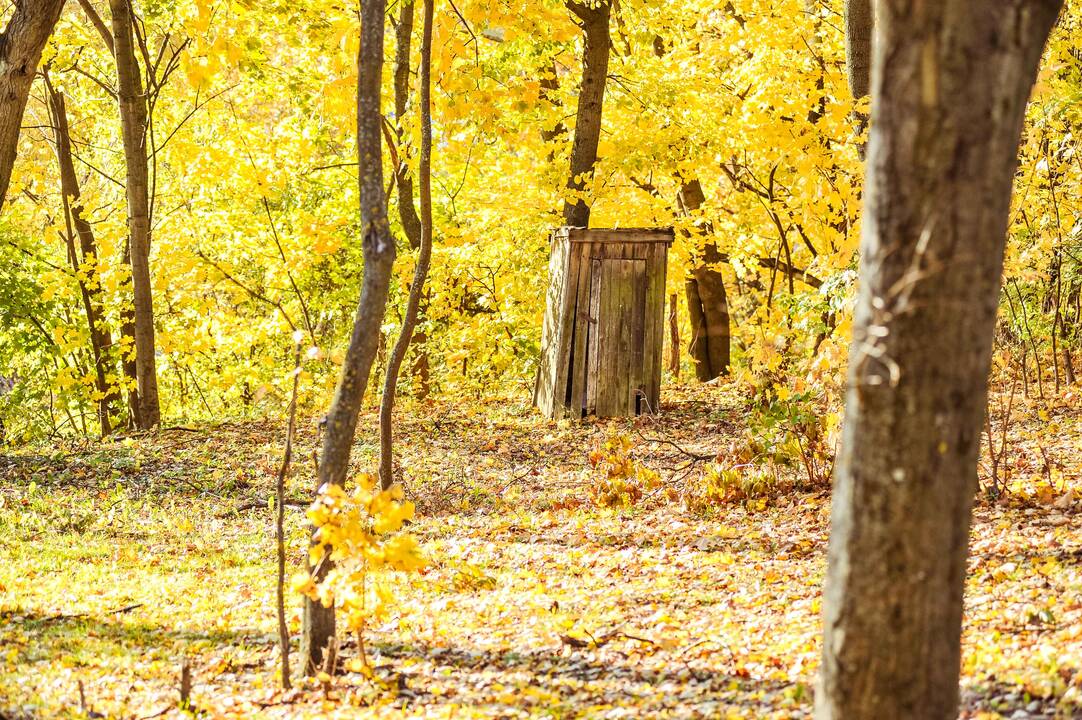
(617, 235)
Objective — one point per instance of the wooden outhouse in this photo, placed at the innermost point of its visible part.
(602, 336)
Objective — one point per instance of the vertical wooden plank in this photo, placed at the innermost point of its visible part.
(648, 403)
(639, 399)
(583, 329)
(653, 323)
(614, 367)
(625, 357)
(636, 312)
(640, 375)
(608, 335)
(563, 347)
(550, 329)
(662, 254)
(616, 385)
(594, 340)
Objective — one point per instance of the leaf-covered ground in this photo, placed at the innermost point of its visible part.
(122, 558)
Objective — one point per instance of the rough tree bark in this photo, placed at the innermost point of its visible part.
(859, 30)
(424, 259)
(133, 121)
(950, 83)
(1069, 331)
(87, 253)
(21, 44)
(595, 70)
(411, 222)
(407, 212)
(858, 45)
(379, 253)
(708, 304)
(127, 354)
(127, 316)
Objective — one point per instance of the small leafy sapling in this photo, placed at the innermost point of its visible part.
(360, 532)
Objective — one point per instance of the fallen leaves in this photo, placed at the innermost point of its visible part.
(527, 609)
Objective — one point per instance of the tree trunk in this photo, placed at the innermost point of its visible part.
(1069, 330)
(859, 30)
(411, 222)
(420, 274)
(127, 355)
(379, 253)
(858, 45)
(134, 124)
(710, 340)
(595, 70)
(950, 83)
(708, 303)
(674, 337)
(89, 288)
(21, 45)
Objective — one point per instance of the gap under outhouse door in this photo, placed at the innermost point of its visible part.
(615, 377)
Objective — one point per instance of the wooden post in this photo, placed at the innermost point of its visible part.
(674, 338)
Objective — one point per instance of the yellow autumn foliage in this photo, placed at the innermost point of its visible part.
(358, 535)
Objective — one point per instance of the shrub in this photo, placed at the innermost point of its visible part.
(619, 479)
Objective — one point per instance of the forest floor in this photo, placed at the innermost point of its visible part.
(120, 558)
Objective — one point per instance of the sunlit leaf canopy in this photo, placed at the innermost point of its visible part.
(255, 197)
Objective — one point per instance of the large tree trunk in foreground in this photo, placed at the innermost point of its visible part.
(21, 45)
(87, 254)
(379, 252)
(708, 304)
(134, 123)
(950, 83)
(424, 259)
(595, 70)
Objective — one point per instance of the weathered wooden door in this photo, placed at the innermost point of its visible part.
(615, 377)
